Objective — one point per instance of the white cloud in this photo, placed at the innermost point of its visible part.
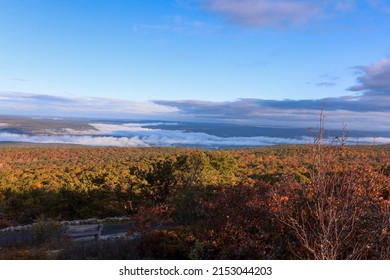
(164, 139)
(177, 24)
(74, 139)
(134, 136)
(106, 128)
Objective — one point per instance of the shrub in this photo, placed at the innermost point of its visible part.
(44, 229)
(341, 212)
(168, 244)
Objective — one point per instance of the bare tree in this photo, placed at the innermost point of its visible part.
(337, 214)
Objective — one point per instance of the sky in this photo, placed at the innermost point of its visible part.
(266, 62)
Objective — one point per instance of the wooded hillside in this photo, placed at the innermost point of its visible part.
(309, 201)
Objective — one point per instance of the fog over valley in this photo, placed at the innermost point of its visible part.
(143, 133)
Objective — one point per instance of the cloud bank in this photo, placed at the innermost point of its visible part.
(374, 79)
(364, 107)
(136, 135)
(360, 112)
(51, 105)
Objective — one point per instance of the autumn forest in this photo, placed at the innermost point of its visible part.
(310, 201)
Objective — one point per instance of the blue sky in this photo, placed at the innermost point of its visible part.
(264, 61)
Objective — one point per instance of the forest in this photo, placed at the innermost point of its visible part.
(311, 201)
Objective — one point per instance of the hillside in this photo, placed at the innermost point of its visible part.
(280, 202)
